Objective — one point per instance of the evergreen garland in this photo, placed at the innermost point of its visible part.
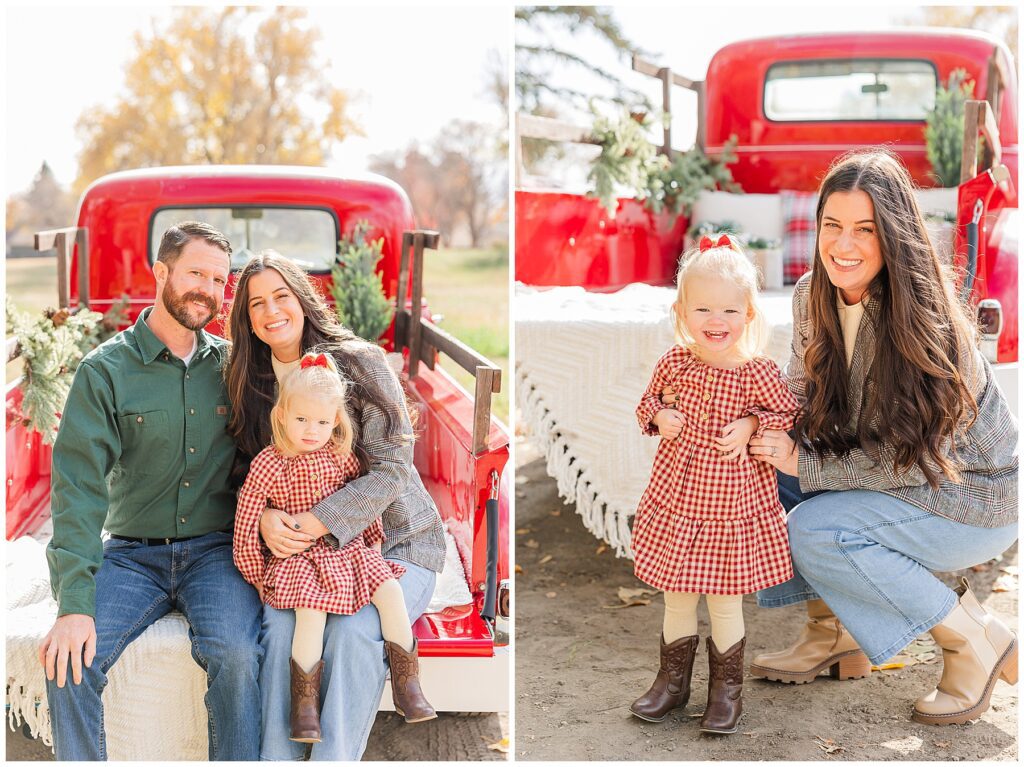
(944, 127)
(629, 159)
(357, 288)
(52, 345)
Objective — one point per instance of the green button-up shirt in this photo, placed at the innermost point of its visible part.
(142, 450)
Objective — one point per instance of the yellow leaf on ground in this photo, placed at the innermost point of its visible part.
(501, 746)
(545, 560)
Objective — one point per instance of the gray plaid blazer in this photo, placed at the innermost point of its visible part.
(986, 454)
(392, 488)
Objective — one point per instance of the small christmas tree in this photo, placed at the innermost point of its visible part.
(357, 288)
(944, 127)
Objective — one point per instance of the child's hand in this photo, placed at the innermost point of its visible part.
(735, 437)
(669, 422)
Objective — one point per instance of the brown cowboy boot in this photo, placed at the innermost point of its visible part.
(671, 688)
(977, 649)
(823, 643)
(405, 683)
(305, 716)
(725, 689)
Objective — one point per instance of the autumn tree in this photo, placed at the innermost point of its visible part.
(235, 85)
(998, 20)
(44, 205)
(457, 180)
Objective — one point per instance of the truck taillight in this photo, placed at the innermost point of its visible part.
(990, 323)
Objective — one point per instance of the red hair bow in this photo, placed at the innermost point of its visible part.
(314, 360)
(706, 243)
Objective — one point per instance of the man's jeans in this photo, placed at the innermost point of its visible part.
(135, 586)
(353, 677)
(870, 557)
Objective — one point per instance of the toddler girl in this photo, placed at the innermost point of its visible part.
(312, 457)
(710, 521)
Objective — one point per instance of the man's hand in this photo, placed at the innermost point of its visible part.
(280, 534)
(669, 422)
(735, 437)
(73, 637)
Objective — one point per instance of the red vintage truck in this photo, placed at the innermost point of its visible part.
(794, 104)
(461, 452)
(594, 288)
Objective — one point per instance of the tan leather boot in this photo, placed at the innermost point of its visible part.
(671, 688)
(977, 649)
(725, 689)
(405, 683)
(305, 714)
(823, 643)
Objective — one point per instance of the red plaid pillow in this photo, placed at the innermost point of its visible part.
(798, 233)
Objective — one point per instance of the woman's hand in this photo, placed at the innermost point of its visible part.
(279, 532)
(669, 423)
(735, 437)
(776, 448)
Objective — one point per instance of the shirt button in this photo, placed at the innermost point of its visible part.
(312, 476)
(711, 376)
(186, 375)
(139, 419)
(182, 520)
(191, 411)
(707, 397)
(704, 416)
(191, 449)
(187, 483)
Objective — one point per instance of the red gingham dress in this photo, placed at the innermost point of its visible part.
(324, 576)
(706, 525)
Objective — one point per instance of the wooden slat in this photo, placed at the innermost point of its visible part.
(978, 117)
(645, 67)
(482, 407)
(465, 357)
(969, 151)
(532, 126)
(63, 241)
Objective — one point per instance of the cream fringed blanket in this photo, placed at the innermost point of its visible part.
(582, 362)
(153, 702)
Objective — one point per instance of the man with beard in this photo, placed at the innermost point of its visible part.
(142, 451)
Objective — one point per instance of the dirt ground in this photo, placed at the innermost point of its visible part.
(579, 665)
(447, 738)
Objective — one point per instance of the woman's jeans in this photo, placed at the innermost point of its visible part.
(870, 557)
(353, 677)
(135, 586)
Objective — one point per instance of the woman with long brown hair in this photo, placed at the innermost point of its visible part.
(277, 315)
(905, 453)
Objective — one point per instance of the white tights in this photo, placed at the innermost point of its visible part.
(726, 613)
(308, 639)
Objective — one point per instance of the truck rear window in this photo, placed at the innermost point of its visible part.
(308, 236)
(849, 89)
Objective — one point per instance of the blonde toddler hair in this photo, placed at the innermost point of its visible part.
(727, 262)
(315, 381)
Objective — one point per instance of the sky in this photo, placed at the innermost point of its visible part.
(685, 39)
(413, 69)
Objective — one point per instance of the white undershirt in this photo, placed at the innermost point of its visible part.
(281, 369)
(849, 317)
(195, 345)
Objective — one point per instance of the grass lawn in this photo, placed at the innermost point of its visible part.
(468, 287)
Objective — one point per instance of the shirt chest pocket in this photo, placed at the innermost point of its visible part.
(146, 443)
